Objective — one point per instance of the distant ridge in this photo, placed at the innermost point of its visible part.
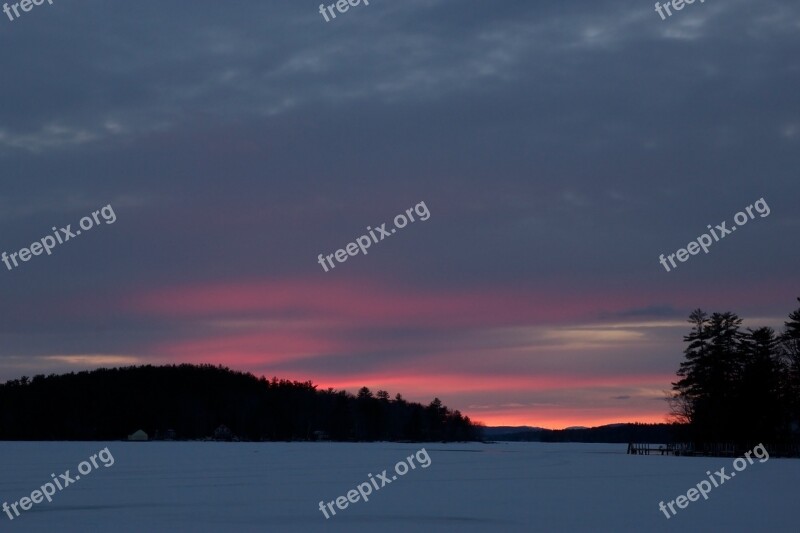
(613, 433)
(492, 432)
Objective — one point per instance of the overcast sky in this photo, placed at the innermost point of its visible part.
(560, 148)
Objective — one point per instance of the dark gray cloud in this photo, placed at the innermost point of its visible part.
(558, 145)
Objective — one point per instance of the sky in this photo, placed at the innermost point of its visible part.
(559, 149)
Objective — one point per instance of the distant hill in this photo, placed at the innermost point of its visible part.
(494, 431)
(195, 402)
(613, 433)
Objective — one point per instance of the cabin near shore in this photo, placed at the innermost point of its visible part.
(138, 435)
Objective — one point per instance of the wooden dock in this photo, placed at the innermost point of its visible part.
(647, 448)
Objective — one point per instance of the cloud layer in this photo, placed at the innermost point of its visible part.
(559, 147)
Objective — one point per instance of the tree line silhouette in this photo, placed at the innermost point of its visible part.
(193, 401)
(739, 386)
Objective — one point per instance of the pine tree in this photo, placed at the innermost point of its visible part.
(689, 388)
(705, 393)
(759, 395)
(790, 341)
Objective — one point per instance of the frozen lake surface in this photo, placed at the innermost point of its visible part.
(180, 486)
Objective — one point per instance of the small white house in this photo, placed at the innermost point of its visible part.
(138, 435)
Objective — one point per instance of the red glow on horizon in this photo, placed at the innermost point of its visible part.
(557, 420)
(348, 302)
(300, 326)
(449, 384)
(424, 388)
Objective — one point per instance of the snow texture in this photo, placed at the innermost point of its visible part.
(207, 486)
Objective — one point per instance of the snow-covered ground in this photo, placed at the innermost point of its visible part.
(178, 486)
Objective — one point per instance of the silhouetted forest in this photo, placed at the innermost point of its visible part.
(739, 386)
(193, 402)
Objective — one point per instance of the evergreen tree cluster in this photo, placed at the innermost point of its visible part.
(193, 401)
(739, 386)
